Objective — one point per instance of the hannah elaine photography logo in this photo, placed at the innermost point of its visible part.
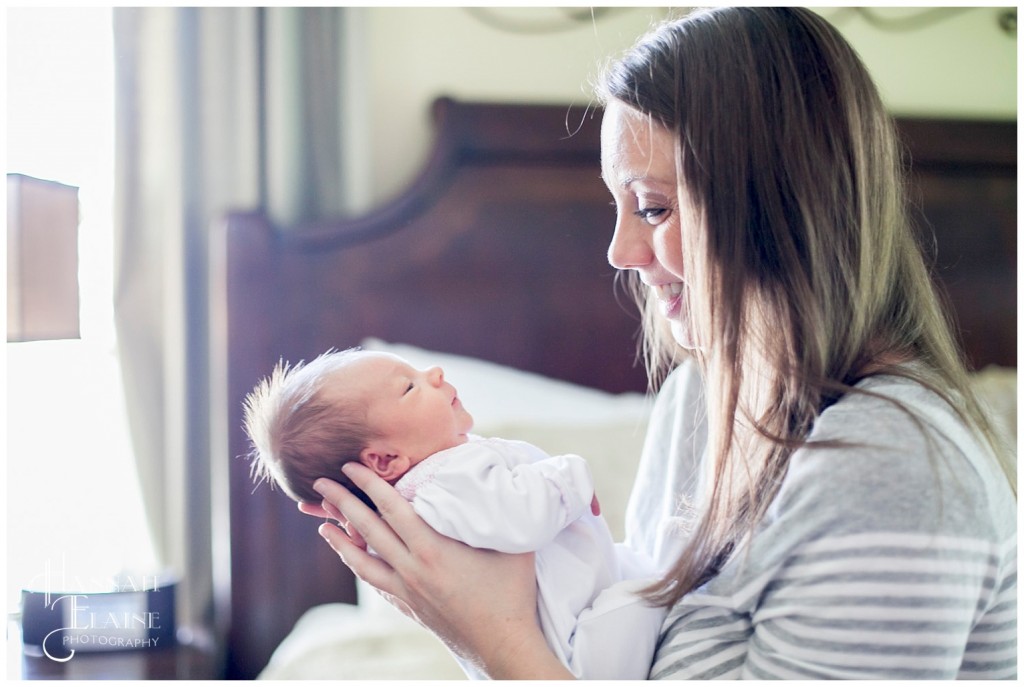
(62, 617)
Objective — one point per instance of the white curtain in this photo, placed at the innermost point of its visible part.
(217, 109)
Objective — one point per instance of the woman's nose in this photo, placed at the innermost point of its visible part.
(628, 248)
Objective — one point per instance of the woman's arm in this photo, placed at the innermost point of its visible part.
(480, 603)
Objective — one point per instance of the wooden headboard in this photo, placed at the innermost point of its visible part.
(497, 251)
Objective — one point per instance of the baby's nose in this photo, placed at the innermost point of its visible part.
(435, 375)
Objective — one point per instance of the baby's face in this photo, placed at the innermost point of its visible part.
(414, 413)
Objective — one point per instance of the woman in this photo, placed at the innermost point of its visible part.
(818, 482)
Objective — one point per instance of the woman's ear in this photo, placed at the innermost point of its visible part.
(388, 466)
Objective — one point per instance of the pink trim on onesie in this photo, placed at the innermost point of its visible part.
(424, 472)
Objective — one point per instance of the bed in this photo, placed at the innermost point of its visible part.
(492, 263)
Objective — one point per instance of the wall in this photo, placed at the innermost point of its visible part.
(947, 62)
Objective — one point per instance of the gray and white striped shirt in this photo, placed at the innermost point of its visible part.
(892, 558)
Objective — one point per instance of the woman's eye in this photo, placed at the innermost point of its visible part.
(651, 215)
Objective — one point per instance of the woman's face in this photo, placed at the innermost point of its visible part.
(638, 166)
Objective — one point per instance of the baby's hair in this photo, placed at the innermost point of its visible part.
(298, 434)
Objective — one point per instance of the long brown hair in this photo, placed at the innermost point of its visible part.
(807, 276)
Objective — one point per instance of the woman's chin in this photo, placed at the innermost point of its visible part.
(683, 333)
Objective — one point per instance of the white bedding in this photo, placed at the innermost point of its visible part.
(365, 642)
(373, 640)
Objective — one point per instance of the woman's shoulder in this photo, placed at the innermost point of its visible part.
(883, 399)
(895, 456)
(899, 422)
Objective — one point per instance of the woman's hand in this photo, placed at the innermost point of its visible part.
(481, 603)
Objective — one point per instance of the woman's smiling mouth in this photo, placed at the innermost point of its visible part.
(671, 296)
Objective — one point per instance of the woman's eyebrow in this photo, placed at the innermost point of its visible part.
(629, 179)
(623, 183)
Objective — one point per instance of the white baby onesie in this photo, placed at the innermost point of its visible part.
(511, 496)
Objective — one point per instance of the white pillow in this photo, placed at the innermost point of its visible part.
(498, 395)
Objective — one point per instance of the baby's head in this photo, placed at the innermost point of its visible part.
(306, 421)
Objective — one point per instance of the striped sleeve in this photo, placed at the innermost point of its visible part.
(867, 606)
(991, 651)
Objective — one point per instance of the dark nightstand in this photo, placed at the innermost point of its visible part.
(177, 662)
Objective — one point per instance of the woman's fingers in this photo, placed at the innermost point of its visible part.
(366, 566)
(314, 509)
(447, 586)
(361, 522)
(394, 509)
(325, 509)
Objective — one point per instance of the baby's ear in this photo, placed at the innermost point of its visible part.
(388, 466)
